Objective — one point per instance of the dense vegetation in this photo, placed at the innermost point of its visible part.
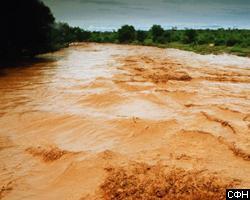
(203, 41)
(30, 29)
(26, 28)
(234, 41)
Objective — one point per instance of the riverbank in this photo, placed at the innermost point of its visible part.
(106, 121)
(209, 49)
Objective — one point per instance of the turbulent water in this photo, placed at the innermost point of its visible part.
(67, 118)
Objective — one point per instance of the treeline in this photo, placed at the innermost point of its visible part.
(156, 35)
(203, 41)
(29, 28)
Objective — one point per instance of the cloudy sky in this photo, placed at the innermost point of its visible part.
(111, 14)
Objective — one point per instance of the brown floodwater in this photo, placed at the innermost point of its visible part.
(67, 117)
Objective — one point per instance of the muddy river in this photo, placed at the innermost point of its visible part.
(81, 119)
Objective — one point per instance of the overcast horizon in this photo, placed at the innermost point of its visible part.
(106, 15)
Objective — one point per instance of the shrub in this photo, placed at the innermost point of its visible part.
(232, 41)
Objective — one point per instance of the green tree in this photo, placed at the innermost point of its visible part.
(26, 28)
(157, 32)
(126, 34)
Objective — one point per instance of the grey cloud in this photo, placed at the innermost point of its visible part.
(144, 13)
(102, 2)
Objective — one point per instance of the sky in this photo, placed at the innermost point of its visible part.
(107, 15)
